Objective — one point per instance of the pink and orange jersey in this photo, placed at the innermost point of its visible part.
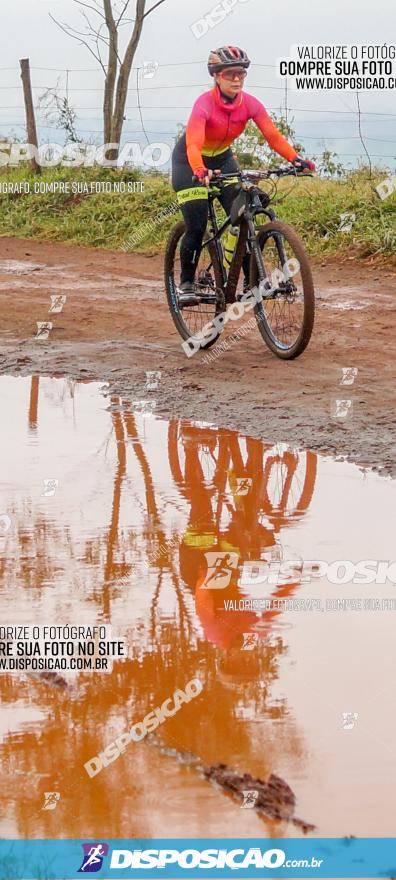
(214, 124)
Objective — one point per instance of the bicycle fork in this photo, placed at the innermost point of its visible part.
(254, 248)
(265, 281)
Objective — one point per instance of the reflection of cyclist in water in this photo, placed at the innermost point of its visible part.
(224, 519)
(221, 520)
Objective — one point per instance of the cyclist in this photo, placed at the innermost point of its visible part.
(218, 117)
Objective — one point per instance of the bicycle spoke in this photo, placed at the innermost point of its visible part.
(197, 316)
(284, 312)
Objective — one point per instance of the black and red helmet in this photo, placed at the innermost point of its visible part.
(227, 56)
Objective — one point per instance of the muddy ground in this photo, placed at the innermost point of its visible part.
(115, 326)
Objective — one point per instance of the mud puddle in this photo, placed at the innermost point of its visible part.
(166, 531)
(19, 267)
(68, 277)
(350, 298)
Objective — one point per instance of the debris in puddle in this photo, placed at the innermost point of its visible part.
(274, 798)
(51, 678)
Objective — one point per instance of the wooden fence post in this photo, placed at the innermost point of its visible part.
(29, 108)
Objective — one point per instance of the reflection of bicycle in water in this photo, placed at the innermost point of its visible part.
(277, 481)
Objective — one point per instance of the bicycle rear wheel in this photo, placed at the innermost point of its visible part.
(190, 320)
(286, 319)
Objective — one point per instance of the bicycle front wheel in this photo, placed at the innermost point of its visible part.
(281, 269)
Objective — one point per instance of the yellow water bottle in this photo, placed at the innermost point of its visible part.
(230, 242)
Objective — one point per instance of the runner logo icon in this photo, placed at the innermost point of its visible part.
(244, 485)
(249, 799)
(51, 799)
(220, 568)
(94, 854)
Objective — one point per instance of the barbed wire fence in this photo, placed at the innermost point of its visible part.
(139, 91)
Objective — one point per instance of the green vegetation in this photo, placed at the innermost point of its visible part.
(254, 152)
(108, 220)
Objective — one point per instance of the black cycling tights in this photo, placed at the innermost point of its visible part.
(195, 211)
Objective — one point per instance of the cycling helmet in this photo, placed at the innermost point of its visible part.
(227, 56)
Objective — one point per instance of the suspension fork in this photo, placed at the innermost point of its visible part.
(255, 249)
(281, 251)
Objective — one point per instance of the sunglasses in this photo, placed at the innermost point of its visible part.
(230, 75)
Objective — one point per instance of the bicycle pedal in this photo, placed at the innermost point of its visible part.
(188, 299)
(208, 298)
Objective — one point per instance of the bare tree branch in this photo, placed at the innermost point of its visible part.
(68, 31)
(97, 5)
(153, 7)
(92, 33)
(122, 13)
(93, 8)
(89, 34)
(99, 55)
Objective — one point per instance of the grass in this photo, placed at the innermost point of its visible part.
(112, 220)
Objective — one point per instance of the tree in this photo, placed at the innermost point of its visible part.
(252, 149)
(103, 35)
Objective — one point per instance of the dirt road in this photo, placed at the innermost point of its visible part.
(115, 326)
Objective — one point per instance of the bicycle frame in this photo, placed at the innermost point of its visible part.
(246, 241)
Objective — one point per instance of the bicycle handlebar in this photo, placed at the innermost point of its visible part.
(288, 170)
(250, 174)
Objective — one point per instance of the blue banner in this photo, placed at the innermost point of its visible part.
(195, 858)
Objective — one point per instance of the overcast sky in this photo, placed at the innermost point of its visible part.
(266, 30)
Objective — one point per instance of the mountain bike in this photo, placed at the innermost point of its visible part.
(283, 479)
(280, 280)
